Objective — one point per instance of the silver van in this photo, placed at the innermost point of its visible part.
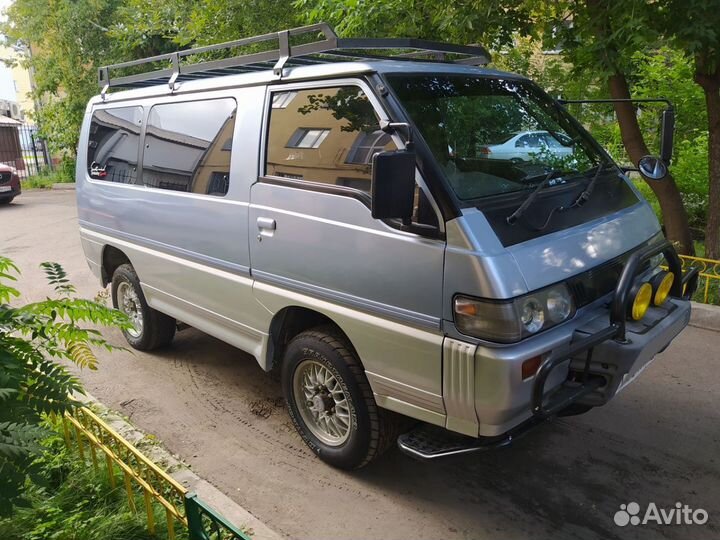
(331, 209)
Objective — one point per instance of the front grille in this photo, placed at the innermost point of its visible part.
(5, 177)
(597, 282)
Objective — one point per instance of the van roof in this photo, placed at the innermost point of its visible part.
(316, 52)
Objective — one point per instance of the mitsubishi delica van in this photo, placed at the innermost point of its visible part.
(341, 210)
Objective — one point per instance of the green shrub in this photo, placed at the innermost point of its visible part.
(62, 173)
(33, 384)
(70, 500)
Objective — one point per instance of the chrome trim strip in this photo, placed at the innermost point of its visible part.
(220, 319)
(418, 320)
(410, 410)
(139, 241)
(403, 392)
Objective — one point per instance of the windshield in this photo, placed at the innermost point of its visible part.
(493, 135)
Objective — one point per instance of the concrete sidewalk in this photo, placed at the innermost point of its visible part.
(705, 316)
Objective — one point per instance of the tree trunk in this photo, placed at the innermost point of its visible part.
(711, 87)
(677, 228)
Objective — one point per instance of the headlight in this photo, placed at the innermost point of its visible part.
(532, 315)
(512, 320)
(559, 305)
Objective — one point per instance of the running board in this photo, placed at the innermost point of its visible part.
(427, 442)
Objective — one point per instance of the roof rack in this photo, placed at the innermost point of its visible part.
(329, 48)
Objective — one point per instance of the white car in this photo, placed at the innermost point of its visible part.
(522, 146)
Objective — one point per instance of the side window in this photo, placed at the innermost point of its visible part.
(326, 135)
(534, 140)
(523, 141)
(188, 146)
(113, 144)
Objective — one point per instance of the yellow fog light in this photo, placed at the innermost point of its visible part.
(661, 283)
(641, 298)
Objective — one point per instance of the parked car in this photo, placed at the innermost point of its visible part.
(527, 146)
(331, 218)
(9, 184)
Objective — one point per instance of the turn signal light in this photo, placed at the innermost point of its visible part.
(531, 366)
(641, 298)
(661, 283)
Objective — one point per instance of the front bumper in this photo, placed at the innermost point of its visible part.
(584, 361)
(603, 356)
(602, 352)
(14, 188)
(598, 365)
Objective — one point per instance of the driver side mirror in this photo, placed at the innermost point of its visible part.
(393, 185)
(667, 134)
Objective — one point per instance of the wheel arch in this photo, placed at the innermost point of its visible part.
(288, 323)
(112, 257)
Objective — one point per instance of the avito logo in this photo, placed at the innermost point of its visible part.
(680, 514)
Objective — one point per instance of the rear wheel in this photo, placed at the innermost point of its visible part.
(7, 201)
(150, 328)
(330, 401)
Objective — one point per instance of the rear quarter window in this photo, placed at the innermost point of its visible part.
(188, 146)
(113, 144)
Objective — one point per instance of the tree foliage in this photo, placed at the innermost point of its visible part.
(635, 48)
(34, 340)
(67, 41)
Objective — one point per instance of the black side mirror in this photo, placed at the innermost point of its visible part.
(393, 185)
(667, 134)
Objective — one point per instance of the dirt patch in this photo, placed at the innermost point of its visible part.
(266, 406)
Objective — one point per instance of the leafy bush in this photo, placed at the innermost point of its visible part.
(63, 173)
(33, 384)
(70, 500)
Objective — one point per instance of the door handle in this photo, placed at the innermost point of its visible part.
(265, 223)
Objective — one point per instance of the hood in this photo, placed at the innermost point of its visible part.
(558, 256)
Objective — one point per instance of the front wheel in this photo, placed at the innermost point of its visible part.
(150, 329)
(330, 401)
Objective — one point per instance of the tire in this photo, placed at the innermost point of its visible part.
(6, 201)
(370, 431)
(155, 329)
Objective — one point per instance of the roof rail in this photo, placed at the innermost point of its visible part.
(329, 48)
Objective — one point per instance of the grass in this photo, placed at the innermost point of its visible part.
(63, 173)
(69, 500)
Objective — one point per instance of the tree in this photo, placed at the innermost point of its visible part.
(694, 26)
(68, 41)
(161, 26)
(600, 41)
(32, 382)
(601, 36)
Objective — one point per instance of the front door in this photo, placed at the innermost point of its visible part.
(313, 230)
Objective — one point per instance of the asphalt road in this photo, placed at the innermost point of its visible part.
(658, 442)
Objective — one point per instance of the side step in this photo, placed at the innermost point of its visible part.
(428, 442)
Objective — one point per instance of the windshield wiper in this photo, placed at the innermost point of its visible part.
(579, 201)
(517, 214)
(587, 192)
